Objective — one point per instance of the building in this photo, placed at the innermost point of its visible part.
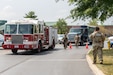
(2, 23)
(50, 23)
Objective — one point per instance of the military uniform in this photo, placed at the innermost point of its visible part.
(65, 41)
(97, 43)
(76, 40)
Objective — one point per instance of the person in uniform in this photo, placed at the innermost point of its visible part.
(65, 40)
(76, 40)
(97, 43)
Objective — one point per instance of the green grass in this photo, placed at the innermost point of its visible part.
(107, 66)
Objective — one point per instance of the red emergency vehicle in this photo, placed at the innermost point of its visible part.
(29, 34)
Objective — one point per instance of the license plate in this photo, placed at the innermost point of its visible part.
(16, 46)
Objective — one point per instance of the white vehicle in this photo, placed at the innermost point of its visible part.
(29, 35)
(60, 38)
(111, 41)
(1, 40)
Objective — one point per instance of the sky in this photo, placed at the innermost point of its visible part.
(47, 10)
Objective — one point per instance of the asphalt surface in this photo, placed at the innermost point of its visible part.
(50, 62)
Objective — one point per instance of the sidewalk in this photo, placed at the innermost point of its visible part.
(94, 68)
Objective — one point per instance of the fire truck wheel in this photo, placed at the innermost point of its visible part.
(39, 47)
(14, 51)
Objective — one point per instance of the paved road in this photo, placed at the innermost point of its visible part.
(51, 62)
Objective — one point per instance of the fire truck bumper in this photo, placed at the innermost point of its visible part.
(8, 46)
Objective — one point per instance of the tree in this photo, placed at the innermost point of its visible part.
(99, 9)
(62, 26)
(93, 22)
(30, 14)
(92, 9)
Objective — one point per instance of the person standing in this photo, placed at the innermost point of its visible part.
(97, 43)
(65, 40)
(77, 40)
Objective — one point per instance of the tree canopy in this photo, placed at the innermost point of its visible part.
(93, 22)
(30, 14)
(99, 9)
(62, 26)
(91, 9)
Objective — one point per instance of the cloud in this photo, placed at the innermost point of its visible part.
(7, 12)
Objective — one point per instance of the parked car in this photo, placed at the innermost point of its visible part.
(60, 38)
(111, 40)
(1, 40)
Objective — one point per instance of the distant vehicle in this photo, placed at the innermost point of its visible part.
(84, 31)
(60, 38)
(1, 40)
(111, 40)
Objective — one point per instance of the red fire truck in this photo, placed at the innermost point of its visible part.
(29, 34)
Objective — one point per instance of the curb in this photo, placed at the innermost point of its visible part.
(93, 67)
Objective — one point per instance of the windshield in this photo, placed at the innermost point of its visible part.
(75, 30)
(91, 30)
(11, 29)
(25, 29)
(22, 29)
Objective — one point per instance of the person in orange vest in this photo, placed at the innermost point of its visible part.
(77, 40)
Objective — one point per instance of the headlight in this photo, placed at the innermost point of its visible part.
(8, 39)
(25, 40)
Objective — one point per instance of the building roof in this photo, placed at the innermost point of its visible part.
(50, 23)
(2, 27)
(2, 23)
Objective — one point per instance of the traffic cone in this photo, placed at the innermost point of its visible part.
(70, 45)
(86, 45)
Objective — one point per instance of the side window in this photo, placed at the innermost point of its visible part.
(35, 30)
(41, 28)
(91, 30)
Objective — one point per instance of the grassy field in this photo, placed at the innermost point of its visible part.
(107, 66)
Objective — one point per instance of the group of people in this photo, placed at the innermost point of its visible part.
(66, 43)
(97, 44)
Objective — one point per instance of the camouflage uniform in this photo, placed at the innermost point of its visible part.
(76, 40)
(65, 41)
(98, 43)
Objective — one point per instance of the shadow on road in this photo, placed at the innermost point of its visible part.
(30, 52)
